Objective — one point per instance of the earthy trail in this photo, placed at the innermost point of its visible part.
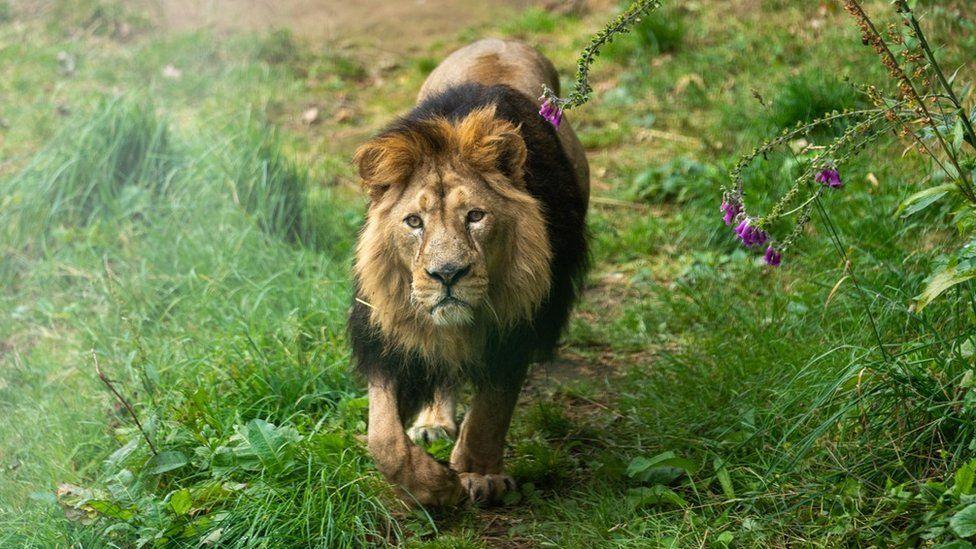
(398, 27)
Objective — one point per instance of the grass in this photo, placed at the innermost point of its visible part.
(809, 96)
(197, 236)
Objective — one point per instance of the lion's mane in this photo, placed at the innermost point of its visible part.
(477, 123)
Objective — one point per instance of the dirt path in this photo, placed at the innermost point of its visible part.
(396, 26)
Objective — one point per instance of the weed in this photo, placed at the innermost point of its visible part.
(269, 186)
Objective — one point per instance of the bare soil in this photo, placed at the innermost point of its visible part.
(396, 26)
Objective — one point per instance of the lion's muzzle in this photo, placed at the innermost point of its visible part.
(449, 293)
(448, 274)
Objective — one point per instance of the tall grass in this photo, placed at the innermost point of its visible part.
(227, 342)
(92, 169)
(268, 186)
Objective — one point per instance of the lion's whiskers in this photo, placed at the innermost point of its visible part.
(493, 313)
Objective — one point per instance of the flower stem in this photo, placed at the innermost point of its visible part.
(124, 402)
(874, 37)
(581, 88)
(849, 267)
(905, 9)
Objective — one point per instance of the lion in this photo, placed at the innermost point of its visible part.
(468, 263)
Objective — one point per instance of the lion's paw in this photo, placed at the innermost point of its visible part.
(486, 489)
(426, 434)
(426, 481)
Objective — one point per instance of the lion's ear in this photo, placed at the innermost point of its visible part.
(385, 161)
(487, 142)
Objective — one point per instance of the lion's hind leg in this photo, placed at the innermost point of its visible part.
(436, 420)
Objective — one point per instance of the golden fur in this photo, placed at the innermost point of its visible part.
(442, 172)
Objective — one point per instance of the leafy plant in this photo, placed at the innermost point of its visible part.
(659, 471)
(926, 112)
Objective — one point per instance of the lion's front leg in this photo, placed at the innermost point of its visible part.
(413, 470)
(437, 419)
(478, 454)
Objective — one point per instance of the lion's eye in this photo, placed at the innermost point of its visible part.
(414, 221)
(475, 216)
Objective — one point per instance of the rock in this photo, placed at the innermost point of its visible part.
(66, 63)
(310, 116)
(171, 72)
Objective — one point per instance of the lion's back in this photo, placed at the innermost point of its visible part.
(512, 63)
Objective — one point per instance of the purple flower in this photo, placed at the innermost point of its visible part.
(773, 257)
(829, 177)
(751, 236)
(731, 210)
(551, 112)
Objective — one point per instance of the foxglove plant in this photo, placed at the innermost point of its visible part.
(551, 105)
(926, 111)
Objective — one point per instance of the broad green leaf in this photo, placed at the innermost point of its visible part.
(967, 378)
(440, 448)
(660, 475)
(640, 465)
(958, 135)
(511, 498)
(180, 501)
(263, 440)
(963, 479)
(725, 538)
(941, 281)
(270, 443)
(655, 495)
(963, 523)
(967, 350)
(923, 199)
(120, 455)
(197, 527)
(165, 461)
(355, 404)
(111, 509)
(332, 442)
(724, 479)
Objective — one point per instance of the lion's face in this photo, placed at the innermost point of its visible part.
(445, 224)
(452, 236)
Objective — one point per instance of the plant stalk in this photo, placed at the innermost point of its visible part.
(970, 135)
(125, 403)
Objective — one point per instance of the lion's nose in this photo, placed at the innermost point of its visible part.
(449, 273)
